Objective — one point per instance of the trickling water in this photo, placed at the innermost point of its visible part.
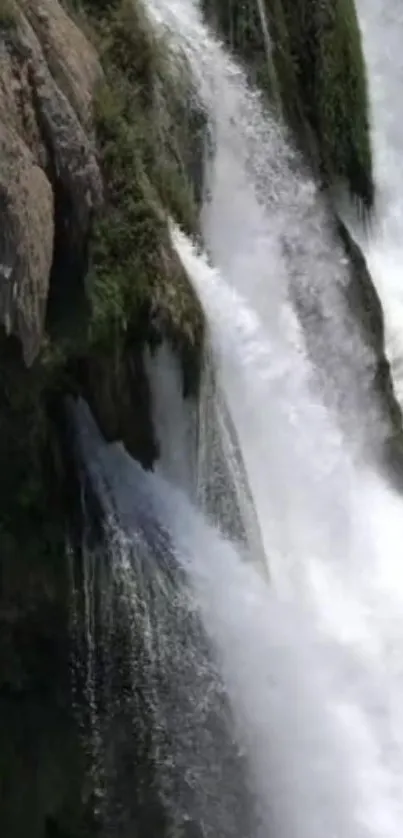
(382, 27)
(223, 487)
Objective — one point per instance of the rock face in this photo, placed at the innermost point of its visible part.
(50, 182)
(50, 185)
(87, 275)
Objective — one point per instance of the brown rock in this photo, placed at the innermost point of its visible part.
(50, 182)
(26, 241)
(70, 57)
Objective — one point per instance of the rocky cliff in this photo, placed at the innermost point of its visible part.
(97, 143)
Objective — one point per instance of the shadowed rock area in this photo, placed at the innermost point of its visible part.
(50, 179)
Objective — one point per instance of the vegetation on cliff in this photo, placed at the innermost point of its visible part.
(111, 280)
(97, 145)
(150, 143)
(315, 74)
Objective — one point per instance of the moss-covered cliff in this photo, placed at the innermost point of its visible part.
(97, 143)
(313, 71)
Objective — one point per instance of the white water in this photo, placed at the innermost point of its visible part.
(267, 228)
(289, 447)
(382, 28)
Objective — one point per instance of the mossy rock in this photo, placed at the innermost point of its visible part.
(8, 15)
(137, 291)
(146, 136)
(316, 75)
(150, 132)
(149, 146)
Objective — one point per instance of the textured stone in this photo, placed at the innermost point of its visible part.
(49, 178)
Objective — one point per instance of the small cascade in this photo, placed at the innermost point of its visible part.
(268, 229)
(174, 419)
(302, 493)
(199, 450)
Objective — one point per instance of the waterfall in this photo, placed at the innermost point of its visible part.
(268, 228)
(300, 490)
(269, 704)
(197, 436)
(382, 28)
(296, 374)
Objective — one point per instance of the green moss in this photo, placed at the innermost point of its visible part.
(143, 131)
(149, 133)
(137, 289)
(136, 286)
(316, 75)
(8, 14)
(342, 100)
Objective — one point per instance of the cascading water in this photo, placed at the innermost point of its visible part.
(331, 531)
(382, 28)
(304, 671)
(267, 227)
(276, 422)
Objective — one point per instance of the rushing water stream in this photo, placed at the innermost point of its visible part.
(302, 662)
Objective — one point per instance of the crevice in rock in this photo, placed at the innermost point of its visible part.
(67, 305)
